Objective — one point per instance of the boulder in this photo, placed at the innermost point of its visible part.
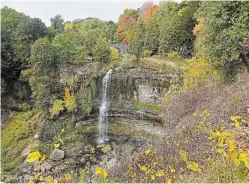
(36, 164)
(57, 155)
(111, 163)
(104, 158)
(19, 179)
(83, 160)
(106, 149)
(36, 136)
(45, 167)
(82, 123)
(128, 149)
(75, 178)
(93, 168)
(26, 178)
(100, 146)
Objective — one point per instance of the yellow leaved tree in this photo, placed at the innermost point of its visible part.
(114, 54)
(70, 101)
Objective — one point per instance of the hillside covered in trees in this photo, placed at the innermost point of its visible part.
(161, 95)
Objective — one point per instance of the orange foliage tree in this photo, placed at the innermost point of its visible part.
(125, 25)
(149, 12)
(67, 96)
(198, 27)
(70, 101)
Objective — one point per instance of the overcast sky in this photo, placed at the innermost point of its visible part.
(74, 9)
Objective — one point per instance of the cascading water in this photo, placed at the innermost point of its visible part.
(103, 110)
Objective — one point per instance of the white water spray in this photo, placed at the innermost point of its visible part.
(103, 110)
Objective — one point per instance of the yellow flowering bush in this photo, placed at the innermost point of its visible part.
(114, 54)
(197, 72)
(226, 147)
(58, 107)
(190, 164)
(102, 174)
(148, 167)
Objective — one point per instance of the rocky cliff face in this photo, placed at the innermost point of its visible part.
(139, 90)
(134, 119)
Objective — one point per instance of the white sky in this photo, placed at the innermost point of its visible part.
(70, 10)
(74, 9)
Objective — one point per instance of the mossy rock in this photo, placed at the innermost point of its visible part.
(106, 149)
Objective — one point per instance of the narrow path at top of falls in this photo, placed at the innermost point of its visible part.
(103, 110)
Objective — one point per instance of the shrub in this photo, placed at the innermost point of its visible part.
(174, 56)
(197, 73)
(237, 98)
(70, 101)
(147, 52)
(147, 167)
(128, 60)
(24, 107)
(233, 163)
(101, 50)
(26, 72)
(114, 54)
(71, 104)
(58, 107)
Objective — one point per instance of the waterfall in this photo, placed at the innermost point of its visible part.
(103, 110)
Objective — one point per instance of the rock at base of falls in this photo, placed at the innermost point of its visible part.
(57, 155)
(111, 163)
(106, 149)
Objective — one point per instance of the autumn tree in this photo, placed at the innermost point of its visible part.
(151, 34)
(125, 25)
(146, 32)
(68, 27)
(70, 101)
(149, 12)
(143, 11)
(114, 54)
(131, 13)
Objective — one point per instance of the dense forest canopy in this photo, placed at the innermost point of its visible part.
(188, 28)
(70, 42)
